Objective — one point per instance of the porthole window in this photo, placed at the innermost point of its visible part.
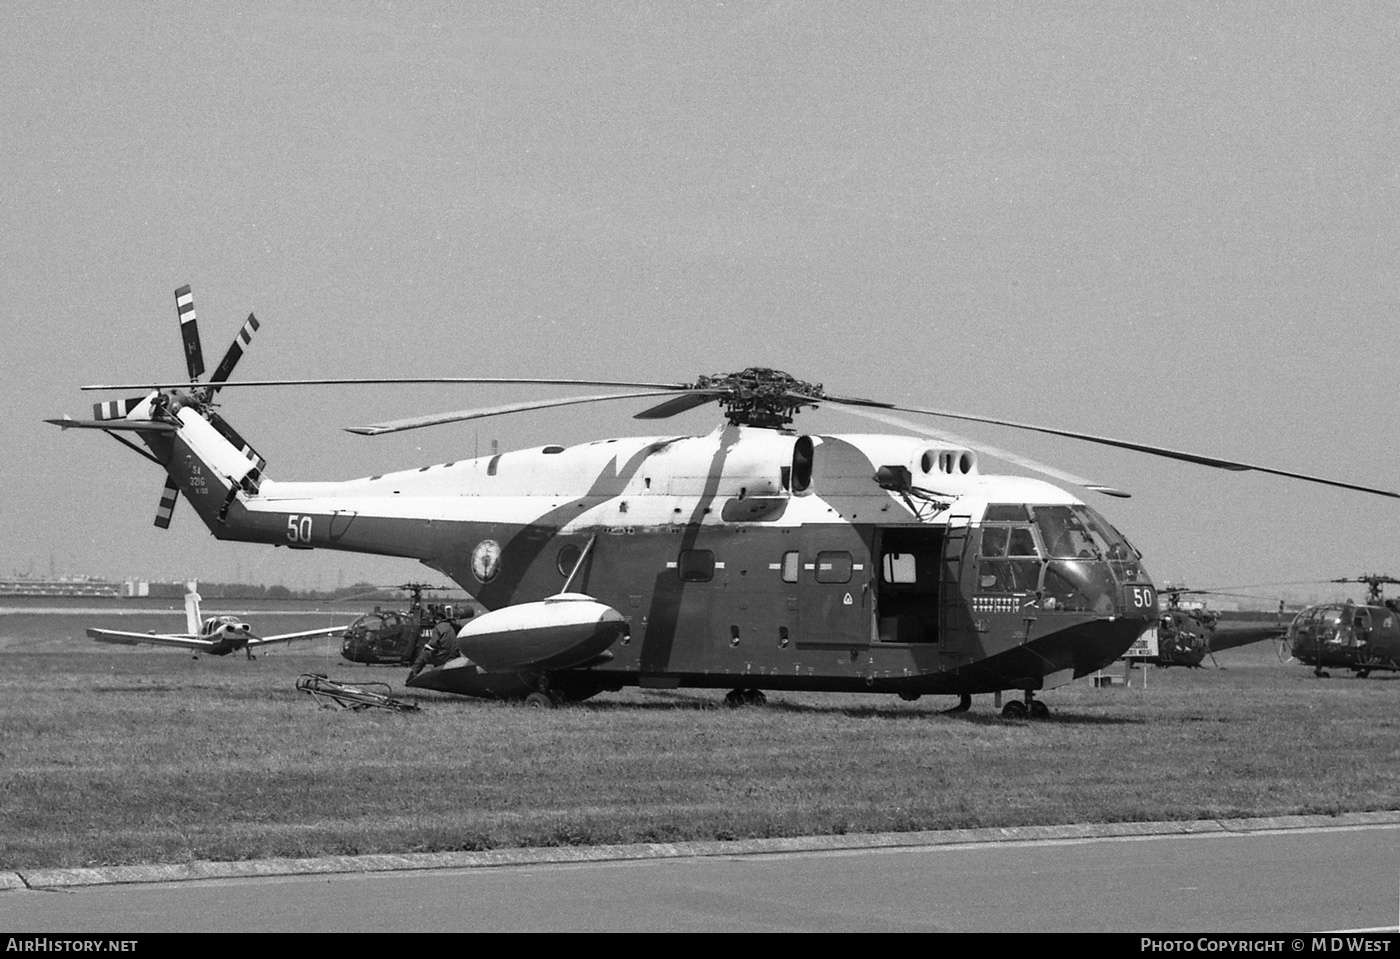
(834, 566)
(568, 559)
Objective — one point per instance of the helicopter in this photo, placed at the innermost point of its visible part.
(1186, 635)
(1362, 638)
(754, 557)
(392, 636)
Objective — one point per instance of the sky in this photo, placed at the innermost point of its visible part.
(1176, 224)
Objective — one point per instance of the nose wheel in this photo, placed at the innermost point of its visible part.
(1030, 707)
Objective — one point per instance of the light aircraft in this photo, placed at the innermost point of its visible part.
(217, 635)
(1359, 637)
(754, 557)
(1186, 635)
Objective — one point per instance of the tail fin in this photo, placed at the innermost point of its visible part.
(192, 620)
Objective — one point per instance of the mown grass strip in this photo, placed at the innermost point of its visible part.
(115, 757)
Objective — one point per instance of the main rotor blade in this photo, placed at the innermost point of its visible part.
(235, 350)
(437, 419)
(680, 404)
(1163, 451)
(359, 381)
(189, 333)
(1019, 460)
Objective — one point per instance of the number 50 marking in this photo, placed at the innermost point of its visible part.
(299, 528)
(1143, 598)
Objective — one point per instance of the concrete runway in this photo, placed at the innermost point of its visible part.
(1295, 874)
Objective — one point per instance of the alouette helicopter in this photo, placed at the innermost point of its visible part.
(1362, 638)
(217, 635)
(756, 557)
(394, 636)
(1186, 635)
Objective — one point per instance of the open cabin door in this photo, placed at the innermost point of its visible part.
(909, 582)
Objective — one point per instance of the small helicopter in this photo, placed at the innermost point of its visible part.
(217, 635)
(1362, 638)
(1186, 635)
(753, 557)
(392, 636)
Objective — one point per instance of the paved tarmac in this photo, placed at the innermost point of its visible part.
(1297, 873)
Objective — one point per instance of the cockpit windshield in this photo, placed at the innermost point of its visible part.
(1065, 533)
(1113, 543)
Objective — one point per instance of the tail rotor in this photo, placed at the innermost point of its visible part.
(117, 415)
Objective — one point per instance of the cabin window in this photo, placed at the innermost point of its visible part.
(899, 568)
(790, 567)
(834, 566)
(696, 565)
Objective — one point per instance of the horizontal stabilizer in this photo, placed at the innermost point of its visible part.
(138, 426)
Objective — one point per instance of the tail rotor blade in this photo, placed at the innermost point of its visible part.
(168, 496)
(189, 332)
(231, 434)
(235, 350)
(115, 409)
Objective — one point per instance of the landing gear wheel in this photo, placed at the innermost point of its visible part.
(539, 700)
(1362, 673)
(1014, 710)
(1321, 673)
(1039, 710)
(964, 704)
(745, 697)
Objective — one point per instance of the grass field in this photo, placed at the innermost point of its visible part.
(120, 756)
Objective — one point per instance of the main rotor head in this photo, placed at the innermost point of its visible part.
(759, 396)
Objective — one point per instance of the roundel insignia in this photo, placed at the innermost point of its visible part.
(486, 560)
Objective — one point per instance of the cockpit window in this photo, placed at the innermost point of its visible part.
(1113, 543)
(1008, 541)
(1065, 533)
(1005, 513)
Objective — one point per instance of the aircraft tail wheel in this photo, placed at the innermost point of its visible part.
(539, 700)
(1014, 710)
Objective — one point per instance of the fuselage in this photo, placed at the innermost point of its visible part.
(1346, 636)
(228, 634)
(746, 557)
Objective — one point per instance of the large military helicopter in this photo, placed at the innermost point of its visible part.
(1362, 638)
(394, 636)
(753, 558)
(1185, 635)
